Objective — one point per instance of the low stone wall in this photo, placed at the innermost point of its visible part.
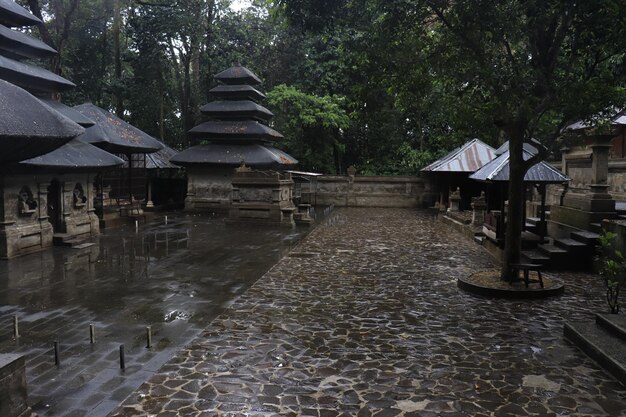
(373, 191)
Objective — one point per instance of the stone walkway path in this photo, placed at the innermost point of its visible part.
(364, 319)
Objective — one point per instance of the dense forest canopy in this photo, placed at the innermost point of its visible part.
(384, 85)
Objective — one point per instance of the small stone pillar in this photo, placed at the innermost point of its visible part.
(455, 200)
(600, 166)
(13, 395)
(149, 203)
(564, 151)
(479, 207)
(351, 172)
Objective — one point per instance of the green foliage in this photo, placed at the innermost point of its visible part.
(612, 270)
(312, 126)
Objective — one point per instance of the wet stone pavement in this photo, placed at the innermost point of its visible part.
(364, 318)
(174, 277)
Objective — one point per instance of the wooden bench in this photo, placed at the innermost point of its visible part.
(525, 268)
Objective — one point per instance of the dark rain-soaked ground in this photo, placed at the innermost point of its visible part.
(175, 277)
(364, 318)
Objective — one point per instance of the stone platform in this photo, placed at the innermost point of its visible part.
(364, 318)
(489, 284)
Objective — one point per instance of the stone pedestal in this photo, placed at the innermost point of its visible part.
(302, 216)
(581, 209)
(455, 200)
(479, 207)
(262, 197)
(13, 393)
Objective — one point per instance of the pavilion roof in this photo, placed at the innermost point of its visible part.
(74, 155)
(527, 147)
(253, 155)
(618, 119)
(161, 159)
(20, 45)
(14, 15)
(32, 78)
(68, 112)
(115, 135)
(235, 130)
(238, 74)
(467, 158)
(498, 171)
(28, 127)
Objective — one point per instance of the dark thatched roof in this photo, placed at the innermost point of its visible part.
(237, 109)
(115, 135)
(28, 127)
(75, 155)
(22, 45)
(32, 78)
(237, 92)
(234, 131)
(238, 75)
(13, 15)
(255, 156)
(68, 112)
(498, 171)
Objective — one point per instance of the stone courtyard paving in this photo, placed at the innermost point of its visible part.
(364, 318)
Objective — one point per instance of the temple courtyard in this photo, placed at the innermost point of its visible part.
(364, 318)
(361, 317)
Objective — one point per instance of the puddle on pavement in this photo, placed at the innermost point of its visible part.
(174, 277)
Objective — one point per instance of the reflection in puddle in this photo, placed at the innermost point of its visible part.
(175, 277)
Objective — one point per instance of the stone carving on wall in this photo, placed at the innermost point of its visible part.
(26, 203)
(80, 200)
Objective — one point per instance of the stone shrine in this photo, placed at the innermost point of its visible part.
(235, 133)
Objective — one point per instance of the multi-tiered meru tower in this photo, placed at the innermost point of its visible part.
(235, 134)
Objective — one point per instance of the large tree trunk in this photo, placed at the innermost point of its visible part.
(117, 19)
(517, 170)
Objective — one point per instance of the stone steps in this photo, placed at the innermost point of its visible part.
(603, 341)
(64, 239)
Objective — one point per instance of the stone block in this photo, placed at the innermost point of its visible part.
(13, 392)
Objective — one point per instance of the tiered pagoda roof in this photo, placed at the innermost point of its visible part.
(37, 131)
(237, 128)
(16, 46)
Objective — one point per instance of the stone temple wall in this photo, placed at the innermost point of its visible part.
(579, 170)
(373, 191)
(209, 189)
(26, 223)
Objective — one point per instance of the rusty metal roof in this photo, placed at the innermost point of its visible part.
(467, 158)
(253, 155)
(498, 171)
(13, 15)
(619, 119)
(115, 135)
(22, 45)
(527, 147)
